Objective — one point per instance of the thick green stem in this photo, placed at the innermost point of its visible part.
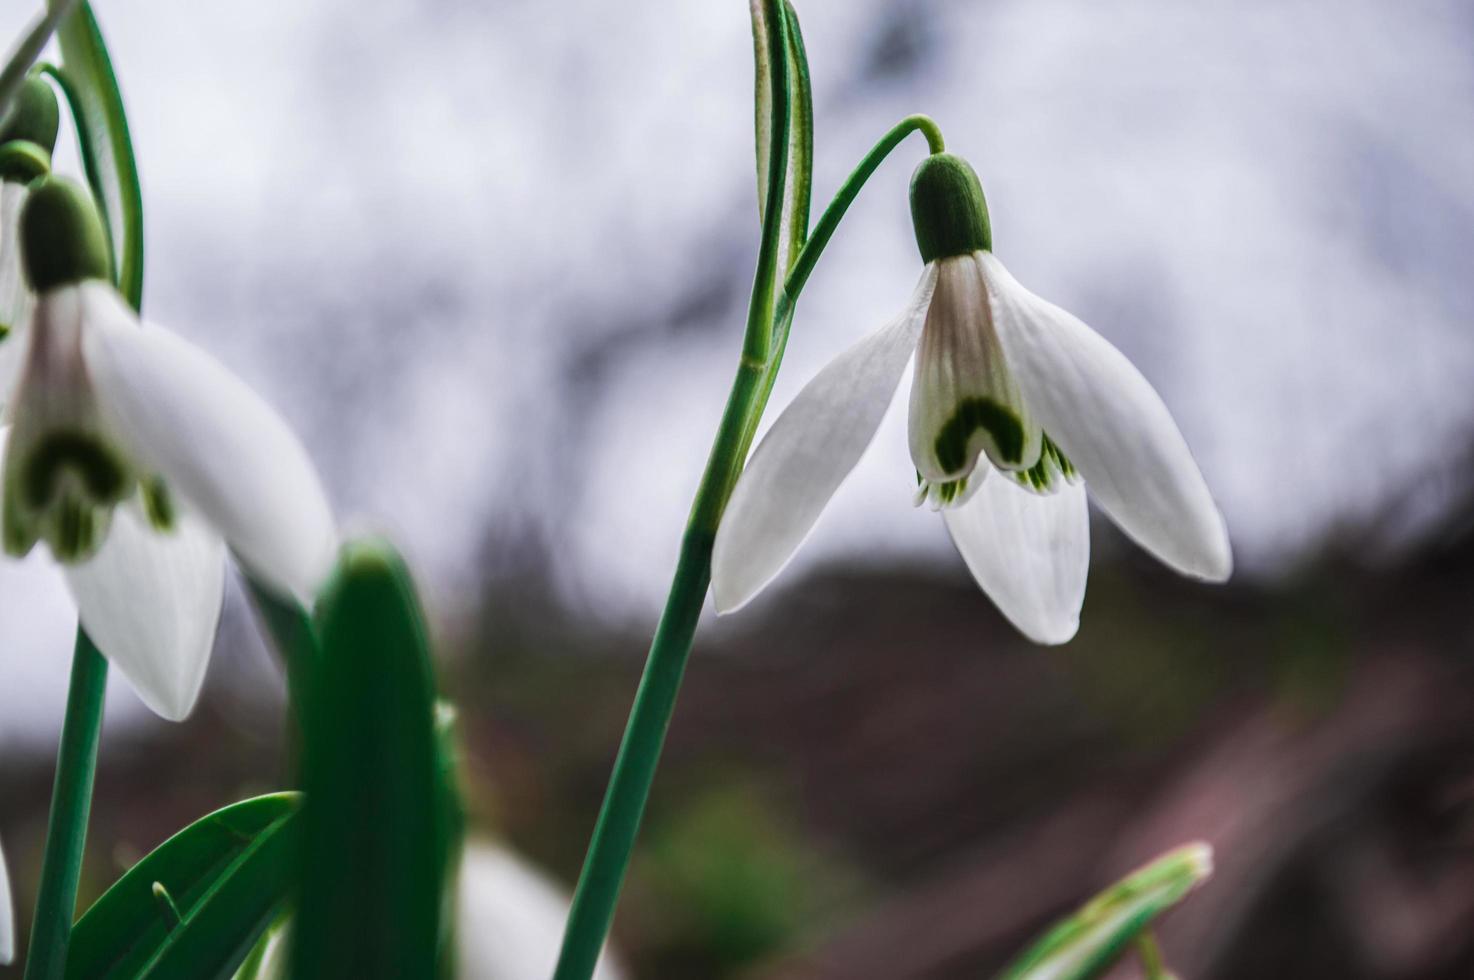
(71, 802)
(639, 752)
(608, 858)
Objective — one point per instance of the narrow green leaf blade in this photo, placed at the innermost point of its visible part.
(1091, 941)
(375, 834)
(107, 148)
(225, 875)
(797, 188)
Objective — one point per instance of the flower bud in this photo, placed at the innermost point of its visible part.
(62, 237)
(29, 133)
(948, 209)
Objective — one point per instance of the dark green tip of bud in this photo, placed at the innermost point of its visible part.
(22, 161)
(34, 115)
(948, 209)
(61, 234)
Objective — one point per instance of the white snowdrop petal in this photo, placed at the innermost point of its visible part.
(151, 601)
(964, 400)
(806, 455)
(1113, 426)
(1029, 552)
(217, 444)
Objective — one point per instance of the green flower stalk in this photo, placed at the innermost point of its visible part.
(787, 248)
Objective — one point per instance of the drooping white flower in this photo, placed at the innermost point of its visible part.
(138, 459)
(1016, 406)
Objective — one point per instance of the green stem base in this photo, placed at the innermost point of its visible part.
(71, 802)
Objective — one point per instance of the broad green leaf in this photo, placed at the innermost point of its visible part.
(196, 905)
(1091, 941)
(27, 51)
(91, 88)
(374, 827)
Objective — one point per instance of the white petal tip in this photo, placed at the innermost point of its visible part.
(727, 600)
(1055, 637)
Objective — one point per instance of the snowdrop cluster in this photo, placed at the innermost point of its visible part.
(142, 465)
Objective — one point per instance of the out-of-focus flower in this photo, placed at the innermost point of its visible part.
(510, 919)
(1016, 405)
(25, 154)
(509, 922)
(138, 458)
(7, 916)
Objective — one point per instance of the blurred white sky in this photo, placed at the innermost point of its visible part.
(491, 258)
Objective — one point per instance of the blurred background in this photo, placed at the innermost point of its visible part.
(492, 261)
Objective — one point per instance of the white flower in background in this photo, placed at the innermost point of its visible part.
(7, 916)
(25, 154)
(509, 923)
(1016, 406)
(510, 917)
(138, 458)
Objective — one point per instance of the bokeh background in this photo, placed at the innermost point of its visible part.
(492, 259)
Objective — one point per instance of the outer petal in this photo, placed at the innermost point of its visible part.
(151, 600)
(7, 916)
(1113, 426)
(1029, 552)
(804, 458)
(964, 400)
(510, 919)
(183, 415)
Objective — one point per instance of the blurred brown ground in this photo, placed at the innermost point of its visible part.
(873, 777)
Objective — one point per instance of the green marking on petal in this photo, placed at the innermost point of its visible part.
(158, 504)
(102, 472)
(972, 414)
(1053, 464)
(940, 495)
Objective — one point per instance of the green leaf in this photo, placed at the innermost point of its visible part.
(87, 80)
(27, 51)
(1091, 941)
(375, 831)
(195, 906)
(797, 190)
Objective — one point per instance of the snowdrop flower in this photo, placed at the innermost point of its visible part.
(137, 458)
(1016, 406)
(25, 154)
